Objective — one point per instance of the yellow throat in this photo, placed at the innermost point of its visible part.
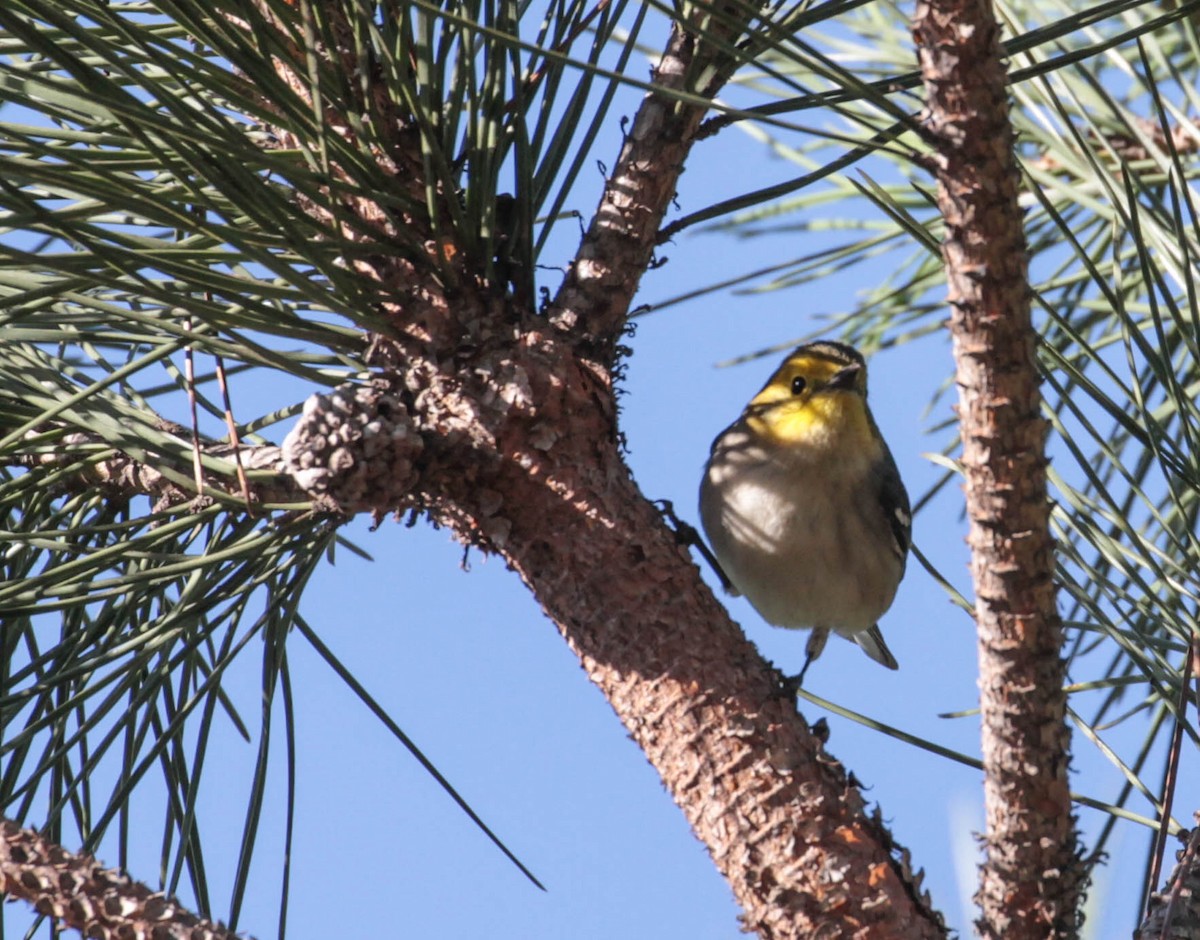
(814, 401)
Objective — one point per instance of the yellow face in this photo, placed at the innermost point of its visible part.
(817, 398)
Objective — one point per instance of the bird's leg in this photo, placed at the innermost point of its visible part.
(686, 534)
(812, 649)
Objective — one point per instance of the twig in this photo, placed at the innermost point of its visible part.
(234, 440)
(1171, 773)
(189, 373)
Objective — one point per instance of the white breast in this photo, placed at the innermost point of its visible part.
(800, 562)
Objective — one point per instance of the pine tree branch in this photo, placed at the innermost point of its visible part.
(163, 478)
(594, 299)
(1029, 880)
(1130, 147)
(353, 450)
(521, 457)
(79, 892)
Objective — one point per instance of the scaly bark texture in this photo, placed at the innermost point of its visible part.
(79, 892)
(593, 302)
(1029, 886)
(780, 818)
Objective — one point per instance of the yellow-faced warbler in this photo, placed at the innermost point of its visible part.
(804, 507)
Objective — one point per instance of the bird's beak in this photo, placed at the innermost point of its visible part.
(846, 378)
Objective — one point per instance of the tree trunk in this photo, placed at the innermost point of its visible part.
(1029, 881)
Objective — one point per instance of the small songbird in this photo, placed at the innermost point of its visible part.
(803, 505)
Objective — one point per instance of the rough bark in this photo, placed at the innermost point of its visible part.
(593, 301)
(779, 816)
(79, 892)
(1029, 883)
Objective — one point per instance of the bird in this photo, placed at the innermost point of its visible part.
(804, 507)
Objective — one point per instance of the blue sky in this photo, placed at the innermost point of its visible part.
(470, 668)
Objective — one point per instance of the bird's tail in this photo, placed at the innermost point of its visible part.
(872, 643)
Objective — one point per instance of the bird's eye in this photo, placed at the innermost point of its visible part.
(798, 384)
